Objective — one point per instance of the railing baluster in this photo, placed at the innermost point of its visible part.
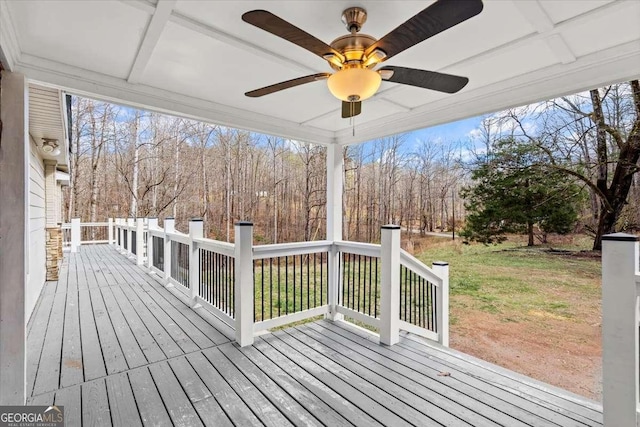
(322, 278)
(279, 295)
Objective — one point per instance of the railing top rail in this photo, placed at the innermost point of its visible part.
(289, 249)
(217, 246)
(159, 232)
(415, 265)
(94, 224)
(179, 237)
(358, 248)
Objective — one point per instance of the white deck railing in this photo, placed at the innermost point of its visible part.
(620, 323)
(78, 233)
(258, 287)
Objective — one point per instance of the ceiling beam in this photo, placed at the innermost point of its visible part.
(224, 37)
(154, 30)
(533, 12)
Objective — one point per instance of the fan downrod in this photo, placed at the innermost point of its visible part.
(354, 18)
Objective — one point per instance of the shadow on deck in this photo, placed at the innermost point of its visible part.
(115, 347)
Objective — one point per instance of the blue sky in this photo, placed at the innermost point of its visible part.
(456, 131)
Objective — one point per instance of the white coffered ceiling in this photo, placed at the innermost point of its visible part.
(197, 58)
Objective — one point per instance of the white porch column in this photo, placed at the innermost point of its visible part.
(139, 241)
(14, 243)
(441, 268)
(620, 279)
(169, 227)
(244, 298)
(390, 284)
(196, 231)
(153, 225)
(334, 223)
(75, 234)
(110, 230)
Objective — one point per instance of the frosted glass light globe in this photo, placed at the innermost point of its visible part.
(354, 84)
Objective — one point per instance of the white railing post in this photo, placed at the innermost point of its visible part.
(152, 225)
(335, 170)
(139, 241)
(110, 230)
(130, 224)
(169, 227)
(619, 329)
(333, 267)
(441, 269)
(390, 284)
(244, 298)
(75, 234)
(196, 231)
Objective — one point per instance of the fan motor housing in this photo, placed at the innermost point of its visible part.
(352, 46)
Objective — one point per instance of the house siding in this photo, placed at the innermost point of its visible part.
(36, 262)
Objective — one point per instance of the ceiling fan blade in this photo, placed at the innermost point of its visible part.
(441, 15)
(426, 79)
(351, 109)
(275, 25)
(286, 85)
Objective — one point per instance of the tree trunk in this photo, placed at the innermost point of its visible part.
(530, 233)
(615, 196)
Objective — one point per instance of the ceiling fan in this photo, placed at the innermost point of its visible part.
(354, 56)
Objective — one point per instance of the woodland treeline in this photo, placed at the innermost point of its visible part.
(131, 163)
(591, 139)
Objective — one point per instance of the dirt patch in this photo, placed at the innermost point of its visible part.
(549, 348)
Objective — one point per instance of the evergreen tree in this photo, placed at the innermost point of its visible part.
(513, 192)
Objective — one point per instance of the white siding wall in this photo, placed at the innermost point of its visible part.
(51, 196)
(36, 255)
(58, 194)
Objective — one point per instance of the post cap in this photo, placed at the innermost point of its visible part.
(242, 223)
(440, 263)
(169, 218)
(195, 220)
(390, 227)
(620, 237)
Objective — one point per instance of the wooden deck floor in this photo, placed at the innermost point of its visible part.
(114, 347)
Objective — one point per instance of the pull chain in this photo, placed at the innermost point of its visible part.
(352, 110)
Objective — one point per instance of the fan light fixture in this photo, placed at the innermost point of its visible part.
(354, 84)
(50, 146)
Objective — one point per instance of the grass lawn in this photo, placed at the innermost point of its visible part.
(532, 310)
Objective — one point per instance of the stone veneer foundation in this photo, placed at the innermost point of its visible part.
(54, 251)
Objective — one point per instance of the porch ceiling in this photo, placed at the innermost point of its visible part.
(48, 119)
(197, 58)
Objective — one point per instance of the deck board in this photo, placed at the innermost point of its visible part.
(439, 397)
(115, 347)
(36, 336)
(92, 359)
(70, 398)
(71, 366)
(124, 411)
(48, 374)
(95, 404)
